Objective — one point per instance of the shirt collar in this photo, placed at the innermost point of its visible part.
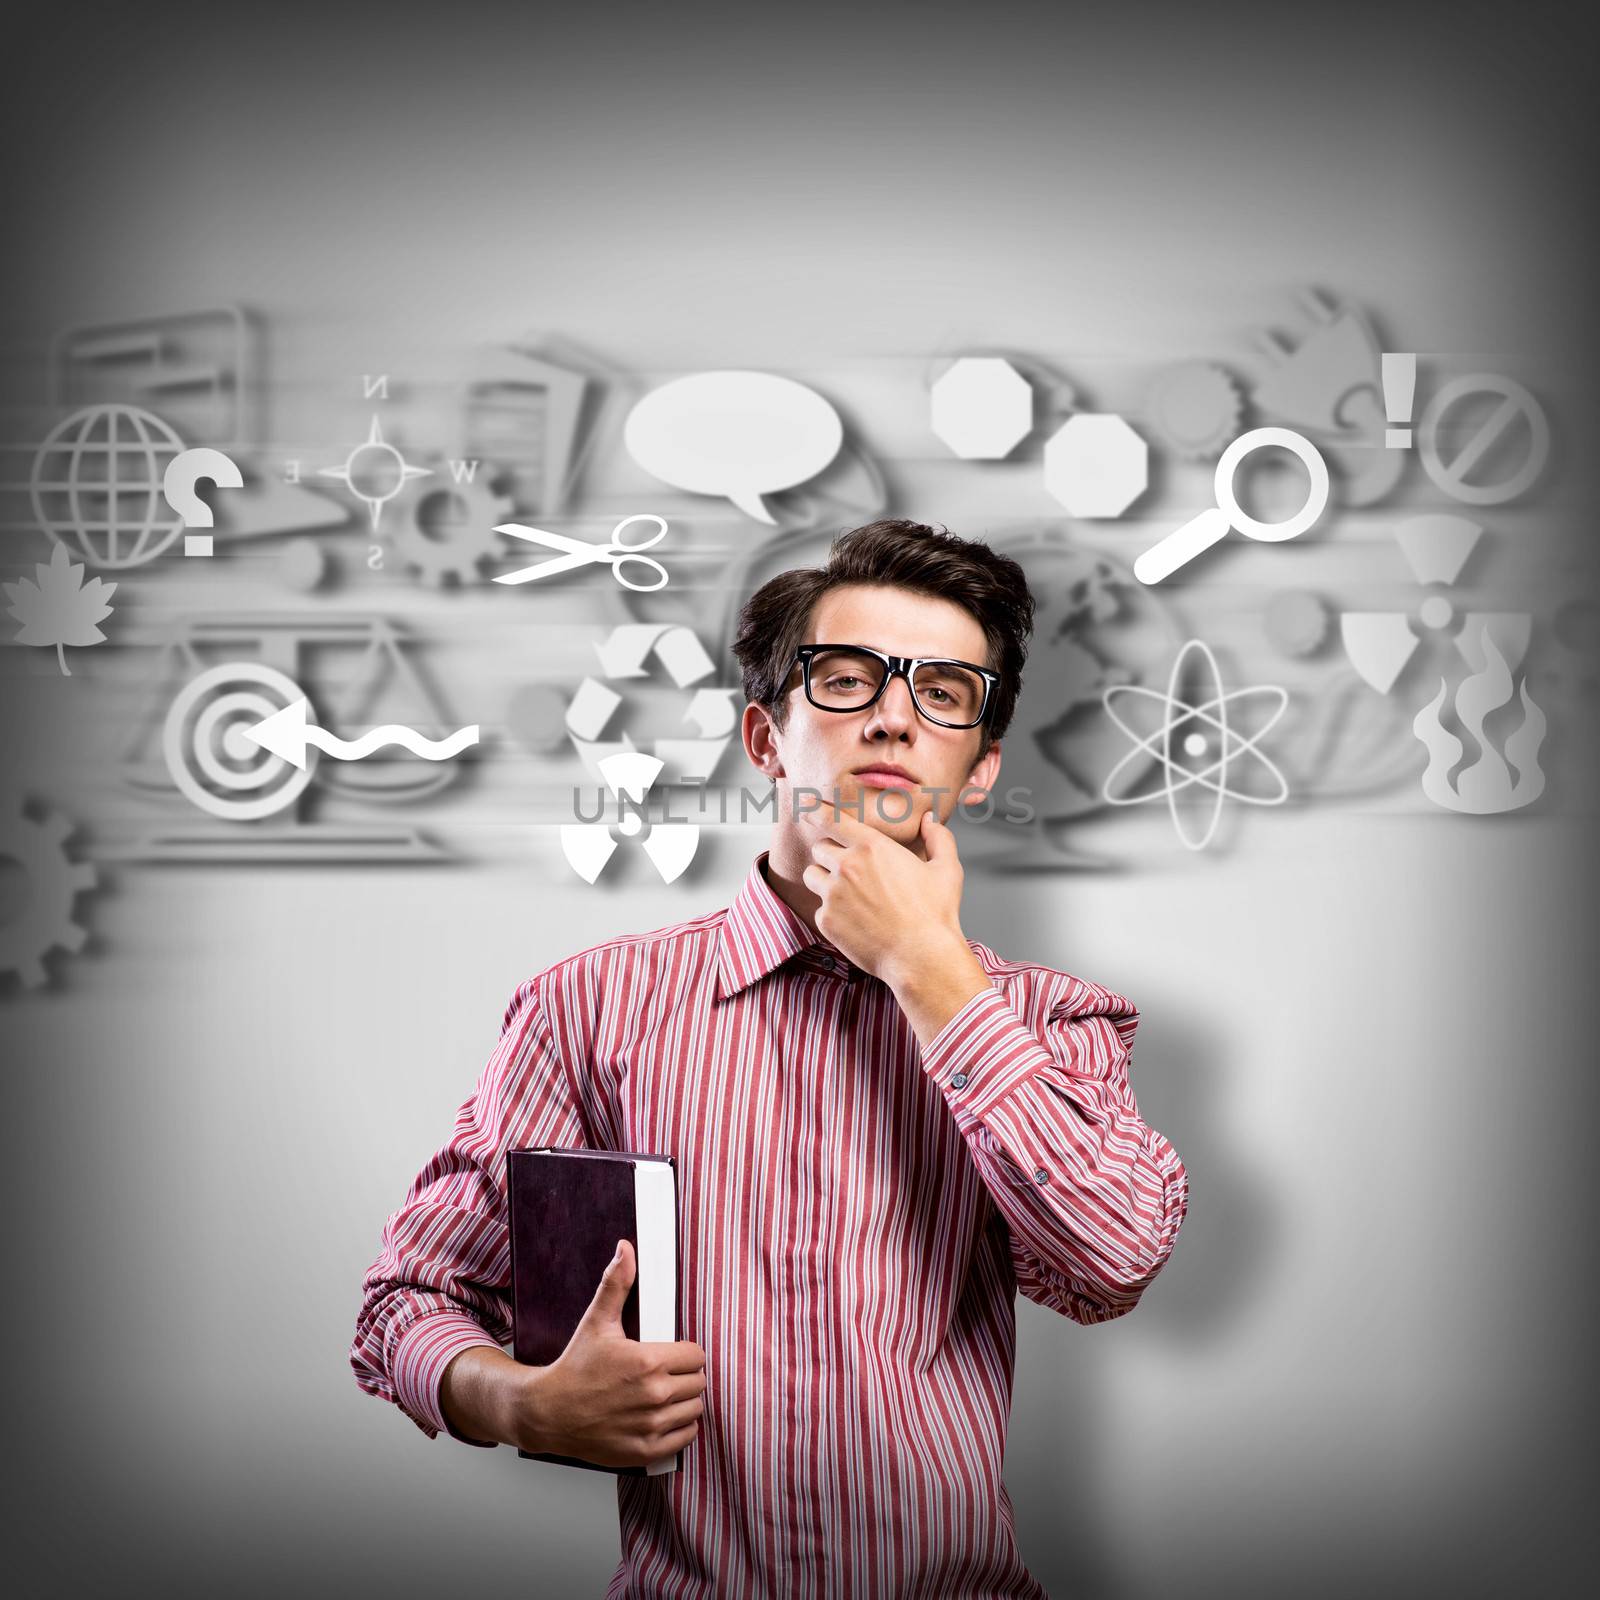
(759, 933)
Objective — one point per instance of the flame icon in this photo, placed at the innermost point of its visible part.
(1485, 785)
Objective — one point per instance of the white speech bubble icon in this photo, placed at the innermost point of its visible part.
(737, 434)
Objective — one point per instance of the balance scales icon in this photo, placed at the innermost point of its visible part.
(216, 677)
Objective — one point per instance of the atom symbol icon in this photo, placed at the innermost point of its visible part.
(1231, 746)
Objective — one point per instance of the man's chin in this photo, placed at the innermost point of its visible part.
(886, 810)
(907, 833)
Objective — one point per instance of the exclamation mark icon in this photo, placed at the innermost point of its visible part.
(1399, 388)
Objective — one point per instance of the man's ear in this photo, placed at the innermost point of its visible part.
(986, 771)
(760, 737)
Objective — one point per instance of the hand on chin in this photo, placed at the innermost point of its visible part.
(895, 813)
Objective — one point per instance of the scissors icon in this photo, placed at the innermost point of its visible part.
(618, 551)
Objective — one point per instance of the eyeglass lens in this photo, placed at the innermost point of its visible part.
(842, 680)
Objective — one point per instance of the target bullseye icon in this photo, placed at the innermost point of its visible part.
(210, 759)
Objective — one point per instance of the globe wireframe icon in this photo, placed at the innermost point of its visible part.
(96, 485)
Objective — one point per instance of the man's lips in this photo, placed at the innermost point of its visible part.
(886, 777)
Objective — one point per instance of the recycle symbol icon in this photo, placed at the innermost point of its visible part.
(623, 769)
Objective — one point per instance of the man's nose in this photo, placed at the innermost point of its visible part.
(894, 714)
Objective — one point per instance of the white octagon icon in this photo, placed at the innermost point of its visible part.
(1096, 465)
(982, 407)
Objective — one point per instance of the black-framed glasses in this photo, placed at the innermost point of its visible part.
(851, 677)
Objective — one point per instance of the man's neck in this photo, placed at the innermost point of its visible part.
(787, 859)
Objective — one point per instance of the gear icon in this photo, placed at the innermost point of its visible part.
(53, 880)
(1194, 408)
(444, 531)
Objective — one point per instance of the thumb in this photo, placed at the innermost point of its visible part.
(605, 1310)
(936, 837)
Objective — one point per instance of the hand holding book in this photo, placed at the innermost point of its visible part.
(612, 1388)
(608, 1400)
(616, 1401)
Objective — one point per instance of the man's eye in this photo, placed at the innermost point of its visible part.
(937, 690)
(844, 680)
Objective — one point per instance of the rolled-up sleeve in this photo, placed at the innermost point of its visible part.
(441, 1281)
(1093, 1197)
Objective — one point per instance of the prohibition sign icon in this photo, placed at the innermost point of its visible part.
(1451, 476)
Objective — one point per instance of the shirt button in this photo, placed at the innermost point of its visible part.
(1040, 1175)
(959, 1080)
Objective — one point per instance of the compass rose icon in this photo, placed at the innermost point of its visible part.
(1203, 734)
(375, 472)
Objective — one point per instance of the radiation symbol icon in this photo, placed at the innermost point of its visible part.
(209, 755)
(1380, 644)
(588, 846)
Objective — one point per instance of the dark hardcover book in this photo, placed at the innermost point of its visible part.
(568, 1209)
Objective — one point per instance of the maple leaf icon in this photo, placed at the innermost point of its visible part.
(59, 608)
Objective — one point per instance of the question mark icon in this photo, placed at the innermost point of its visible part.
(183, 472)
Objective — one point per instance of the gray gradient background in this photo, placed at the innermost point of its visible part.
(1366, 1028)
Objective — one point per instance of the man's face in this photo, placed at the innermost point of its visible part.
(819, 751)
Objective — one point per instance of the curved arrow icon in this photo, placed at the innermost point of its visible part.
(288, 733)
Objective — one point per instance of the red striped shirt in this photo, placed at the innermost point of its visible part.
(858, 1214)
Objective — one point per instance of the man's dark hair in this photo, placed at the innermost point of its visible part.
(774, 621)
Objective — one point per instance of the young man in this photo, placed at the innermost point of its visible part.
(883, 1131)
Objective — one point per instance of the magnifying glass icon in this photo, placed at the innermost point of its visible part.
(1163, 559)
